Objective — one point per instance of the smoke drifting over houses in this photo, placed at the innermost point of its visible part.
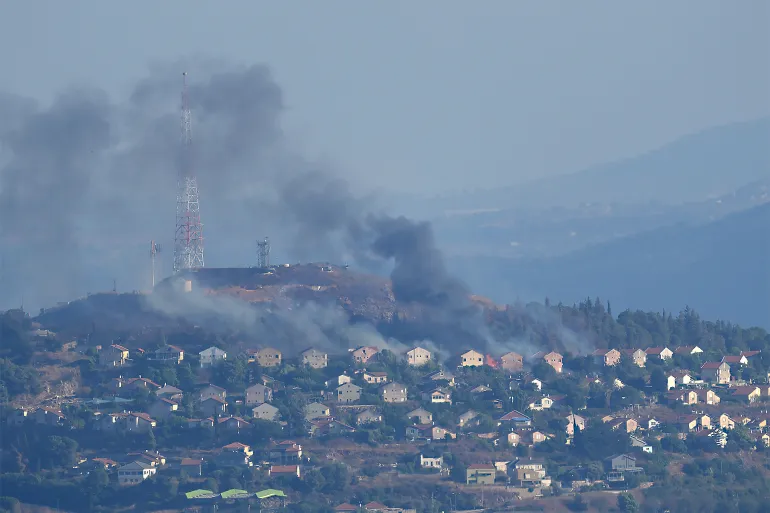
(86, 182)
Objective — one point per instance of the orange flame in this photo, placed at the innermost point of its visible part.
(490, 361)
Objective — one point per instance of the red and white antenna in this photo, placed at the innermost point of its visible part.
(188, 237)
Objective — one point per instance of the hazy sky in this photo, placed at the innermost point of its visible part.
(431, 95)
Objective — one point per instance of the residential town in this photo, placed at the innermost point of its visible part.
(221, 429)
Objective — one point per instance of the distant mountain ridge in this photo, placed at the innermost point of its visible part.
(692, 168)
(722, 269)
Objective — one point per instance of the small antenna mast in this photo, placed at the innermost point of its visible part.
(154, 249)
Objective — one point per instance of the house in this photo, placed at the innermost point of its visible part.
(725, 422)
(574, 421)
(284, 470)
(750, 354)
(210, 356)
(348, 393)
(553, 359)
(418, 356)
(480, 389)
(258, 394)
(393, 393)
(113, 356)
(235, 454)
(541, 403)
(640, 443)
(707, 396)
(134, 473)
(265, 411)
(285, 451)
(345, 508)
(169, 353)
(437, 463)
(213, 406)
(375, 378)
(662, 353)
(438, 395)
(162, 408)
(316, 410)
(694, 422)
(329, 426)
(140, 384)
(621, 463)
(18, 417)
(364, 354)
(480, 474)
(368, 417)
(169, 392)
(688, 350)
(471, 359)
(339, 380)
(682, 396)
(606, 357)
(268, 357)
(626, 425)
(735, 360)
(139, 422)
(192, 467)
(680, 378)
(512, 362)
(49, 417)
(233, 423)
(420, 416)
(466, 417)
(530, 473)
(377, 507)
(515, 418)
(428, 432)
(638, 356)
(442, 376)
(314, 359)
(747, 394)
(212, 391)
(715, 372)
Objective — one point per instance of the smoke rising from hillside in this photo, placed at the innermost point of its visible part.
(86, 182)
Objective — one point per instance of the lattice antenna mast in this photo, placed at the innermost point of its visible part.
(188, 238)
(263, 253)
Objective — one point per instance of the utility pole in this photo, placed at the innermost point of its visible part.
(154, 249)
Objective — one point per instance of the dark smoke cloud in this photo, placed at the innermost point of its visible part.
(86, 183)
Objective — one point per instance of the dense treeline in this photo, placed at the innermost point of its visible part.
(592, 324)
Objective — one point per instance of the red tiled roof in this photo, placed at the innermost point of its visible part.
(749, 354)
(654, 350)
(744, 390)
(190, 461)
(215, 398)
(345, 507)
(143, 416)
(732, 359)
(235, 445)
(710, 365)
(375, 505)
(119, 347)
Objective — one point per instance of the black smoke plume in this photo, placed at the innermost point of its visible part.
(86, 182)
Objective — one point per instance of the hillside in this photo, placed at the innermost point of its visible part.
(720, 269)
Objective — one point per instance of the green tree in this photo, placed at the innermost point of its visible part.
(627, 503)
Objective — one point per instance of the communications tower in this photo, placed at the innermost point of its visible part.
(263, 253)
(188, 238)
